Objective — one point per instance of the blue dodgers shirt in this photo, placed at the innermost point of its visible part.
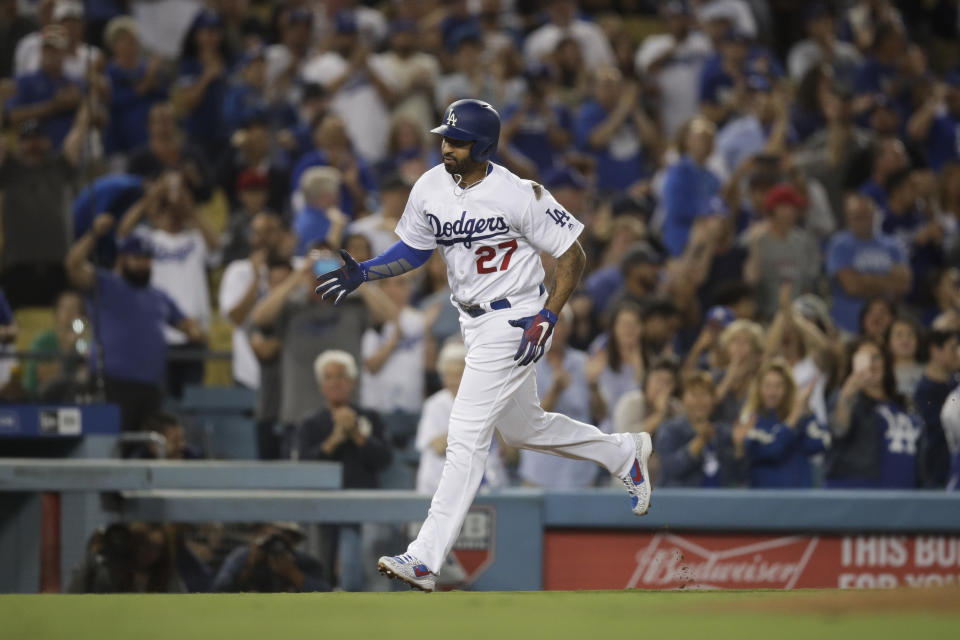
(36, 87)
(943, 141)
(127, 127)
(687, 194)
(131, 328)
(620, 163)
(878, 255)
(310, 226)
(531, 137)
(778, 455)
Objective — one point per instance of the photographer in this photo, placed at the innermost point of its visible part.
(138, 557)
(271, 564)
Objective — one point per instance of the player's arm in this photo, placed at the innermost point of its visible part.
(398, 259)
(569, 269)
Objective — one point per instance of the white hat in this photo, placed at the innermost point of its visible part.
(67, 9)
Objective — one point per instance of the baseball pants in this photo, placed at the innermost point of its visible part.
(497, 393)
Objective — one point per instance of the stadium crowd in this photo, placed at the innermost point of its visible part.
(771, 192)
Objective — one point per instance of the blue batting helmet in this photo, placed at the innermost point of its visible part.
(472, 120)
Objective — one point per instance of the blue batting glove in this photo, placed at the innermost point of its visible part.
(536, 331)
(341, 280)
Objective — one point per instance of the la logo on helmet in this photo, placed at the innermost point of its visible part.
(452, 119)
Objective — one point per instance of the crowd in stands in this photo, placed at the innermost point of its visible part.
(771, 193)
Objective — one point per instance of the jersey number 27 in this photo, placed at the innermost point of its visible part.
(486, 254)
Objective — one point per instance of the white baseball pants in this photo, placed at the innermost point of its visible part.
(497, 393)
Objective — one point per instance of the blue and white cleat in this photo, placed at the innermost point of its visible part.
(410, 570)
(637, 480)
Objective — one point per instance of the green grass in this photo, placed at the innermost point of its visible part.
(491, 616)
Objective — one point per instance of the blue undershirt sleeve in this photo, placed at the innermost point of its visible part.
(398, 259)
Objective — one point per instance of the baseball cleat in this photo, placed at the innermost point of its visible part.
(408, 569)
(637, 480)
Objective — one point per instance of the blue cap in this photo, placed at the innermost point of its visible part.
(677, 8)
(756, 82)
(258, 53)
(207, 19)
(404, 26)
(345, 22)
(300, 15)
(135, 245)
(560, 177)
(720, 316)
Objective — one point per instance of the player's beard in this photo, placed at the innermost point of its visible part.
(460, 168)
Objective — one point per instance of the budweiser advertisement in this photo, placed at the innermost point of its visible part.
(590, 559)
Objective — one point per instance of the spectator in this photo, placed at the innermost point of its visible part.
(409, 152)
(14, 27)
(890, 157)
(903, 342)
(35, 182)
(693, 450)
(360, 86)
(393, 362)
(47, 94)
(922, 238)
(252, 193)
(203, 83)
(243, 284)
(563, 22)
(270, 564)
(65, 344)
(135, 86)
(649, 408)
(293, 312)
(777, 432)
(333, 149)
(742, 346)
(674, 60)
(320, 220)
(413, 71)
(875, 319)
(640, 269)
(946, 298)
(266, 347)
(352, 436)
(934, 125)
(781, 251)
(874, 439)
(862, 264)
(113, 193)
(250, 149)
(822, 45)
(538, 126)
(79, 57)
(168, 426)
(431, 439)
(618, 366)
(571, 388)
(249, 93)
(938, 380)
(607, 278)
(689, 186)
(764, 126)
(129, 339)
(167, 149)
(379, 227)
(613, 128)
(286, 58)
(182, 245)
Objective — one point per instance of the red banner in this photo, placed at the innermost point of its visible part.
(590, 559)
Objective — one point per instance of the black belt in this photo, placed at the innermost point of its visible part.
(475, 310)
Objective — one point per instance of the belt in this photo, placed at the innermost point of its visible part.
(477, 310)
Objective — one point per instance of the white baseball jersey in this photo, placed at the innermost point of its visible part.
(490, 235)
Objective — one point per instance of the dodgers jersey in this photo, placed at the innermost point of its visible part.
(490, 235)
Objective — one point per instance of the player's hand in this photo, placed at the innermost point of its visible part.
(342, 280)
(536, 331)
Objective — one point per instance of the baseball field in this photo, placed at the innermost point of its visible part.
(902, 614)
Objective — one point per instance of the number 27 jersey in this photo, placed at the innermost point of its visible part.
(490, 235)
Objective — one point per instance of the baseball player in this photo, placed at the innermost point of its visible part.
(490, 227)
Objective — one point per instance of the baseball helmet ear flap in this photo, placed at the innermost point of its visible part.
(472, 120)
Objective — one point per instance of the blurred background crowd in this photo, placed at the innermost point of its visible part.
(771, 193)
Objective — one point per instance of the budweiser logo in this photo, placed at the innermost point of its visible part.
(671, 561)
